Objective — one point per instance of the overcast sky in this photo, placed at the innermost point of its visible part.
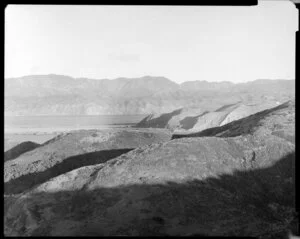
(182, 43)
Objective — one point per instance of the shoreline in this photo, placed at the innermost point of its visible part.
(15, 136)
(43, 131)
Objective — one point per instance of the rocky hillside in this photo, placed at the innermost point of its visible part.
(239, 181)
(279, 121)
(71, 150)
(58, 94)
(194, 119)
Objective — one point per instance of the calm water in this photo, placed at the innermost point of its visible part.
(15, 124)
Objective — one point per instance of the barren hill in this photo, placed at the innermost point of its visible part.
(193, 119)
(239, 184)
(279, 121)
(71, 150)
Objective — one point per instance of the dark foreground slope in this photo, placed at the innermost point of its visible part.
(229, 186)
(236, 204)
(72, 150)
(19, 149)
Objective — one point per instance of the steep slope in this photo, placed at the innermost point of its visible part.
(244, 110)
(191, 119)
(279, 121)
(72, 150)
(240, 185)
(19, 149)
(58, 94)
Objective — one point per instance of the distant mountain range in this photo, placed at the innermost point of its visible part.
(64, 95)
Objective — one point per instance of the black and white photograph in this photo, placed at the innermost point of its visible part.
(150, 120)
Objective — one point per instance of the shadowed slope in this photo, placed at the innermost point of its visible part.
(159, 122)
(249, 124)
(240, 203)
(27, 181)
(224, 107)
(20, 149)
(189, 122)
(65, 147)
(186, 118)
(194, 119)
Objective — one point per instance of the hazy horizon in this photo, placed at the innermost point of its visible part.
(144, 76)
(181, 43)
